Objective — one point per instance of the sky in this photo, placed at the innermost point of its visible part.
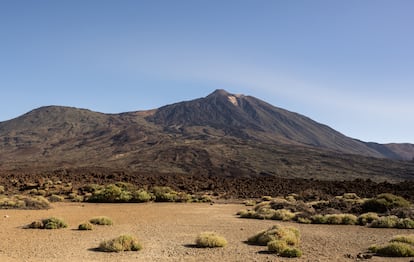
(347, 64)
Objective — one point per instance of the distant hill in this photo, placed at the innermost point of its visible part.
(222, 133)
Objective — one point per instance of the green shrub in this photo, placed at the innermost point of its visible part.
(210, 239)
(277, 246)
(405, 223)
(164, 194)
(246, 213)
(142, 195)
(384, 202)
(385, 222)
(48, 223)
(408, 239)
(283, 214)
(304, 220)
(56, 198)
(367, 218)
(121, 243)
(288, 234)
(394, 249)
(85, 226)
(291, 252)
(110, 194)
(54, 223)
(319, 219)
(349, 219)
(101, 220)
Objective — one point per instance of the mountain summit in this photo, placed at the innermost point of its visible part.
(221, 132)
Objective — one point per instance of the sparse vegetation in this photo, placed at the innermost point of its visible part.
(24, 202)
(48, 223)
(102, 221)
(399, 246)
(329, 211)
(85, 226)
(210, 240)
(121, 243)
(280, 240)
(384, 202)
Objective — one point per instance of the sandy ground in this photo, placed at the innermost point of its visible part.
(167, 231)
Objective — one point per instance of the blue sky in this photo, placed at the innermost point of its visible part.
(348, 64)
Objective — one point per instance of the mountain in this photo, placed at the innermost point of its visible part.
(222, 133)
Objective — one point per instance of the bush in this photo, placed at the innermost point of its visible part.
(56, 198)
(319, 219)
(367, 218)
(394, 249)
(408, 239)
(121, 243)
(101, 220)
(283, 214)
(85, 226)
(164, 194)
(277, 246)
(288, 234)
(291, 252)
(142, 195)
(385, 222)
(405, 223)
(111, 194)
(48, 223)
(210, 239)
(384, 202)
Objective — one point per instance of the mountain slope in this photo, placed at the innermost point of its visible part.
(249, 117)
(222, 134)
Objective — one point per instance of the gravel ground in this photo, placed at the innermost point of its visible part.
(167, 232)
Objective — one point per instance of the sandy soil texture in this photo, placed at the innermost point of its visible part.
(167, 232)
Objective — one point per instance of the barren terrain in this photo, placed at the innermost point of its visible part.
(167, 232)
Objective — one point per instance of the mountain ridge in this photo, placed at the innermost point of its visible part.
(222, 133)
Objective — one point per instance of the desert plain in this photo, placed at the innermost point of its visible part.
(167, 232)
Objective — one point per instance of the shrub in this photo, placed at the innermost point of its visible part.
(304, 220)
(385, 222)
(164, 194)
(101, 220)
(277, 246)
(283, 214)
(246, 213)
(367, 218)
(408, 239)
(2, 190)
(405, 223)
(110, 194)
(394, 249)
(319, 219)
(349, 219)
(288, 234)
(121, 243)
(210, 239)
(142, 195)
(384, 202)
(291, 252)
(48, 223)
(85, 226)
(56, 198)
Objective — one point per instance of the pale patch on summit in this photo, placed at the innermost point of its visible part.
(233, 100)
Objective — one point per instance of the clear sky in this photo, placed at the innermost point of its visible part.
(348, 64)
